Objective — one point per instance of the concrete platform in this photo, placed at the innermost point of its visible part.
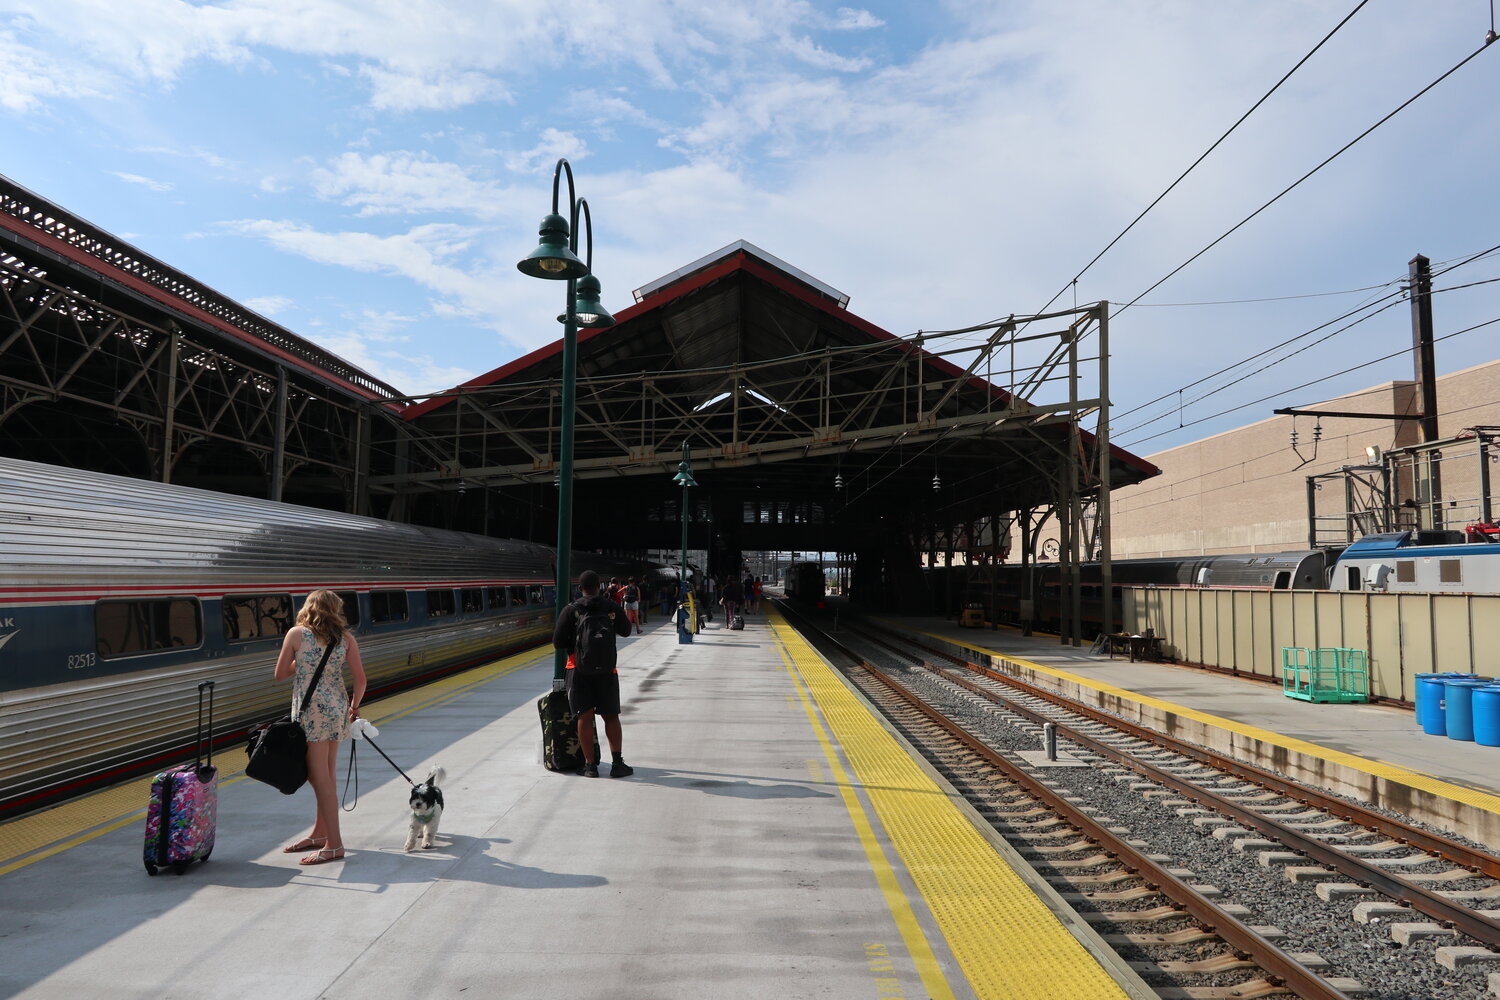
(1373, 752)
(770, 841)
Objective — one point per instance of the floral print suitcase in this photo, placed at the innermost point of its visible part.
(183, 814)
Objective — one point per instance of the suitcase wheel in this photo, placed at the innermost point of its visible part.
(181, 867)
(150, 868)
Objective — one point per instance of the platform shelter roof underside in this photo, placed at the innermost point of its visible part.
(783, 396)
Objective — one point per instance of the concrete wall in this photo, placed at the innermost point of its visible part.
(1245, 490)
(1245, 630)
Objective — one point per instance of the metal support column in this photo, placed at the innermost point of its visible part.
(1425, 363)
(169, 427)
(565, 475)
(278, 453)
(1486, 515)
(1106, 555)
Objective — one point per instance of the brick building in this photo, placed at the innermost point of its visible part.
(1245, 490)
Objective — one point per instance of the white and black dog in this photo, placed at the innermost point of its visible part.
(426, 809)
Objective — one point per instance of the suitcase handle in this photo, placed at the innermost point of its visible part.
(205, 738)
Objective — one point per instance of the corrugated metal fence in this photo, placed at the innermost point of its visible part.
(1404, 634)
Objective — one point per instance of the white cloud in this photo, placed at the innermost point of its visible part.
(408, 183)
(552, 146)
(32, 77)
(434, 91)
(269, 305)
(852, 19)
(145, 182)
(194, 152)
(413, 374)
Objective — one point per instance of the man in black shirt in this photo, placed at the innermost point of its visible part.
(593, 686)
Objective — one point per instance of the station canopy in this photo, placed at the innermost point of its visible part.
(808, 426)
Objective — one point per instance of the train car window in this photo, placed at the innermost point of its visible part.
(1406, 571)
(518, 597)
(1283, 580)
(1450, 571)
(542, 595)
(440, 603)
(497, 598)
(248, 617)
(351, 607)
(471, 599)
(387, 606)
(1353, 581)
(123, 628)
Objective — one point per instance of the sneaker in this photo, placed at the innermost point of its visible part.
(590, 771)
(620, 769)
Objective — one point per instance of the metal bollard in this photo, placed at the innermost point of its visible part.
(1049, 739)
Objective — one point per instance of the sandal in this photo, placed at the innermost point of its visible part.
(323, 856)
(304, 845)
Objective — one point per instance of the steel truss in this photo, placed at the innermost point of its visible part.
(176, 386)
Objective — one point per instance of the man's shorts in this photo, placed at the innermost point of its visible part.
(593, 694)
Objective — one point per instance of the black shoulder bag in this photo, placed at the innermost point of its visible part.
(278, 750)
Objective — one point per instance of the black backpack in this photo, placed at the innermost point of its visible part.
(594, 645)
(632, 594)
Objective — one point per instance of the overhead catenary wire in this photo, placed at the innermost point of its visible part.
(1204, 155)
(1298, 182)
(1316, 381)
(1395, 296)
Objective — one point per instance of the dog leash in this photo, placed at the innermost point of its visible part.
(352, 774)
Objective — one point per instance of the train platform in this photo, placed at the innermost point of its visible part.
(1373, 752)
(776, 838)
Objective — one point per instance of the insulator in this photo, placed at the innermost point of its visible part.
(1317, 432)
(937, 482)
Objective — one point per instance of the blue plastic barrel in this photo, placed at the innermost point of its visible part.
(1458, 696)
(1486, 711)
(1430, 697)
(1430, 701)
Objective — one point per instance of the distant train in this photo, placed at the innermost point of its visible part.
(805, 582)
(1395, 562)
(118, 595)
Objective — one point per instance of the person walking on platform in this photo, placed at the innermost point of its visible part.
(587, 629)
(632, 603)
(321, 625)
(733, 595)
(755, 594)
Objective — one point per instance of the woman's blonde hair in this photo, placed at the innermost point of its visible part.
(323, 612)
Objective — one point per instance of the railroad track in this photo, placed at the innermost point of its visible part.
(1340, 848)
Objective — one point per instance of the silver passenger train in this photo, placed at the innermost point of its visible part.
(117, 596)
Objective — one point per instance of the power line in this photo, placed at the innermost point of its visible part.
(1316, 381)
(1290, 340)
(1204, 155)
(1292, 186)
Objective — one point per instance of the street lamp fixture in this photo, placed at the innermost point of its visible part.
(556, 258)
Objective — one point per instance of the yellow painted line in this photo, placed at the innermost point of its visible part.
(934, 983)
(30, 839)
(1477, 798)
(1008, 943)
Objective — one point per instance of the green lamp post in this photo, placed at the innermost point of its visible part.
(556, 258)
(684, 478)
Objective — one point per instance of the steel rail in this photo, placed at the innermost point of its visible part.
(1462, 918)
(1275, 962)
(1478, 861)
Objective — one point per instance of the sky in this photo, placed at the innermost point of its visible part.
(367, 172)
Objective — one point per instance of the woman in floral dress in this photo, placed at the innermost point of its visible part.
(320, 623)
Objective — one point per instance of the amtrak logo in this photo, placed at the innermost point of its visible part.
(7, 637)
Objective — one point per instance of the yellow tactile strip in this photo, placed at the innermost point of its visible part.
(29, 839)
(1377, 768)
(1008, 943)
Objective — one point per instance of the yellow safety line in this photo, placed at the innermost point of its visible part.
(934, 983)
(1487, 801)
(1010, 945)
(30, 839)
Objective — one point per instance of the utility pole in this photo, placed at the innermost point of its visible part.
(1424, 362)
